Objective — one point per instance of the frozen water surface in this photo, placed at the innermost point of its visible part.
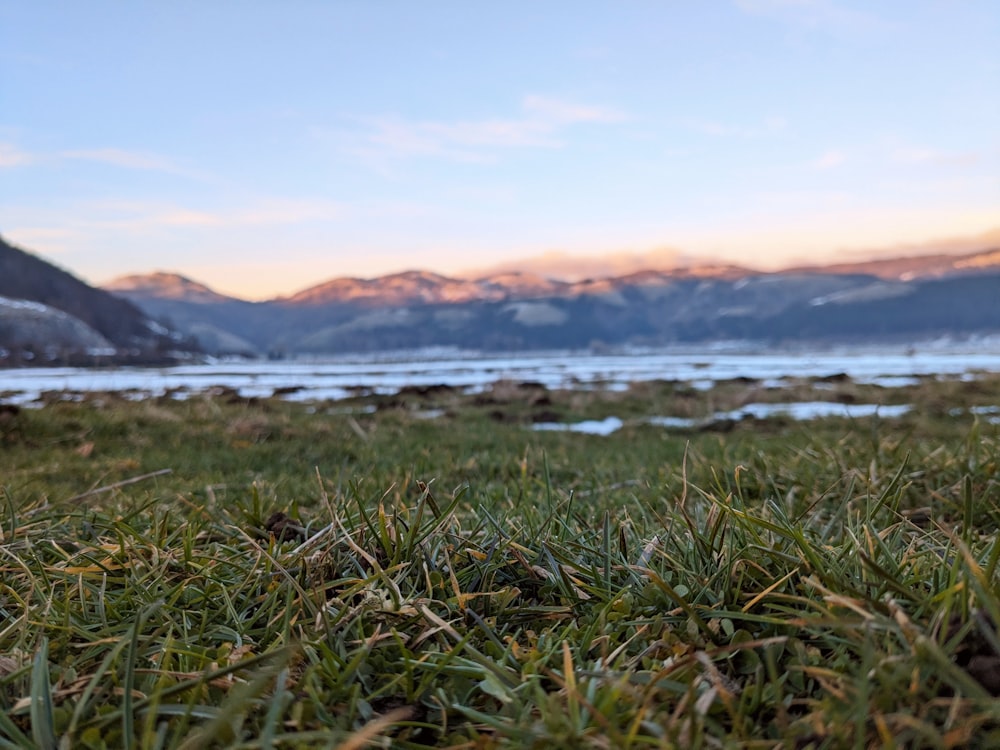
(321, 380)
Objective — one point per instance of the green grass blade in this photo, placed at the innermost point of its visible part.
(42, 720)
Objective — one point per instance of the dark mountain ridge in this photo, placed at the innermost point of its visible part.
(52, 316)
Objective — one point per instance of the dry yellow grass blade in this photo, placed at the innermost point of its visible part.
(375, 727)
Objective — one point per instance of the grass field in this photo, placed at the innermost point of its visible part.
(425, 570)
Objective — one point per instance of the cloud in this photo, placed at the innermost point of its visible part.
(151, 216)
(769, 126)
(290, 211)
(115, 219)
(121, 158)
(899, 155)
(126, 159)
(540, 124)
(557, 112)
(465, 141)
(917, 155)
(829, 160)
(12, 156)
(821, 15)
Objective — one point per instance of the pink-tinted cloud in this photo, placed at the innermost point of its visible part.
(541, 124)
(941, 245)
(766, 127)
(122, 158)
(129, 159)
(12, 156)
(557, 264)
(918, 155)
(820, 15)
(557, 111)
(829, 160)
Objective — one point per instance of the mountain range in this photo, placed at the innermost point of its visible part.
(48, 316)
(898, 299)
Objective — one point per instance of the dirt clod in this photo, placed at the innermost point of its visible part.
(283, 528)
(975, 653)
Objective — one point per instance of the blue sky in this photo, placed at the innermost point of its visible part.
(262, 147)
